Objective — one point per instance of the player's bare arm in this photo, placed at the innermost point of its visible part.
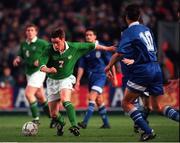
(105, 48)
(114, 59)
(79, 76)
(48, 70)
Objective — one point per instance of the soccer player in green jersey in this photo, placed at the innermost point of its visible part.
(29, 53)
(58, 62)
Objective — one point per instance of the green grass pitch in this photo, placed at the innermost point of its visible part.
(121, 130)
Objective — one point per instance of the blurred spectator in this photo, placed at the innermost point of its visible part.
(74, 16)
(6, 80)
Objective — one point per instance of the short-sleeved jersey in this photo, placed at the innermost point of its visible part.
(95, 61)
(144, 75)
(137, 43)
(30, 52)
(65, 62)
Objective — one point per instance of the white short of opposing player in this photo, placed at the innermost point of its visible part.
(29, 129)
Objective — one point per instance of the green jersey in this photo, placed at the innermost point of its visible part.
(65, 62)
(30, 52)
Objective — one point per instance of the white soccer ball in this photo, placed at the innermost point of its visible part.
(29, 129)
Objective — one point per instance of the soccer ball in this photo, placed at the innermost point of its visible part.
(29, 129)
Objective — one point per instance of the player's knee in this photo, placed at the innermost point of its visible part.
(126, 105)
(99, 102)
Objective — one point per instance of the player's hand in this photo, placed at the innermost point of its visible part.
(107, 69)
(16, 61)
(77, 86)
(127, 61)
(51, 70)
(36, 63)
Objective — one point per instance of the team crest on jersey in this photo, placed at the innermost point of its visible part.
(98, 54)
(34, 47)
(69, 57)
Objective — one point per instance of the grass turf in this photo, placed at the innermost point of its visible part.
(121, 130)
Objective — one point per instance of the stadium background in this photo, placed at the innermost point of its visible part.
(162, 16)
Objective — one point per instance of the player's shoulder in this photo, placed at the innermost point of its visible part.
(39, 40)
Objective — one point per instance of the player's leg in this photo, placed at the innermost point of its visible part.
(91, 107)
(34, 82)
(156, 90)
(166, 110)
(66, 100)
(66, 86)
(128, 106)
(142, 104)
(57, 118)
(171, 113)
(102, 111)
(53, 102)
(40, 94)
(30, 96)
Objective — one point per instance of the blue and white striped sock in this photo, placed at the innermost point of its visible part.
(89, 112)
(103, 114)
(171, 113)
(138, 120)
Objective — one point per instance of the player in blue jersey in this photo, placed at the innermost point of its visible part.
(94, 64)
(144, 72)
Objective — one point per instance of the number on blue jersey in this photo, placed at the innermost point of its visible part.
(147, 38)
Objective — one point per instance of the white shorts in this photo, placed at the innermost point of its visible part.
(36, 79)
(55, 86)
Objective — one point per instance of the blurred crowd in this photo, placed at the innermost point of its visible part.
(74, 16)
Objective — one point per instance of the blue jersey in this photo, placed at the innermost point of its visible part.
(144, 74)
(94, 64)
(95, 61)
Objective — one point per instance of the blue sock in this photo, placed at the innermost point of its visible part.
(138, 120)
(171, 113)
(103, 114)
(89, 112)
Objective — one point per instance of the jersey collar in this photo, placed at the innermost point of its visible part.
(66, 47)
(133, 23)
(33, 40)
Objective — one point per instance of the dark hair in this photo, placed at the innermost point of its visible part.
(91, 29)
(31, 25)
(132, 12)
(58, 33)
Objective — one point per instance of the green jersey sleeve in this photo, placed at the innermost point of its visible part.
(83, 47)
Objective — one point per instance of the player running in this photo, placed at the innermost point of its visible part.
(29, 53)
(144, 72)
(94, 64)
(58, 62)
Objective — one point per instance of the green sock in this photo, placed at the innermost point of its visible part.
(60, 119)
(70, 112)
(34, 110)
(46, 108)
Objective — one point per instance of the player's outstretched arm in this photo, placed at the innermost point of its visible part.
(105, 48)
(48, 70)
